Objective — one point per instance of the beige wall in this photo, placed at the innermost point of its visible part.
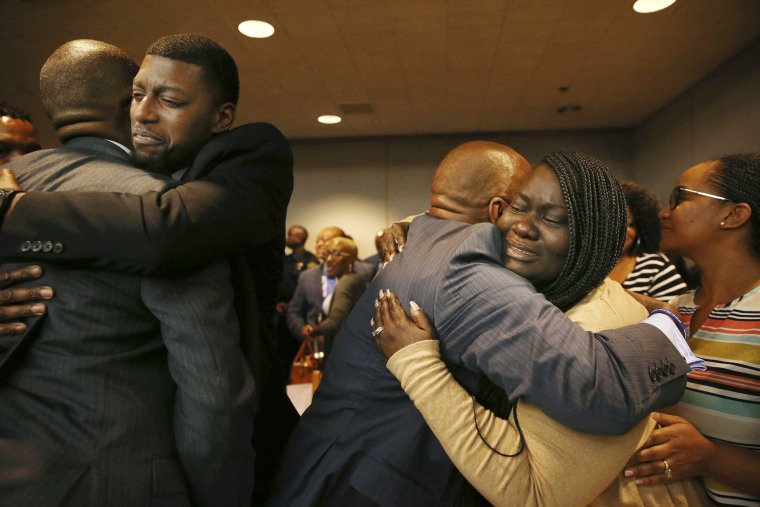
(719, 115)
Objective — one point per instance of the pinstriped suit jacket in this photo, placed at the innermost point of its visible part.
(98, 409)
(362, 442)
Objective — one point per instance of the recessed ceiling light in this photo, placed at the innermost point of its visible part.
(647, 6)
(329, 119)
(256, 29)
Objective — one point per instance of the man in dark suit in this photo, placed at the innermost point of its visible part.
(363, 443)
(125, 392)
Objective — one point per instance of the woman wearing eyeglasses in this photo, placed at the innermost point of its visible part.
(714, 219)
(642, 268)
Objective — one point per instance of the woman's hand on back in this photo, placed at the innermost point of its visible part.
(394, 330)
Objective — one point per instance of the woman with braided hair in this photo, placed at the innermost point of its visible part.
(714, 431)
(563, 231)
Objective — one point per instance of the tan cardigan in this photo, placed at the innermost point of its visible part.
(559, 466)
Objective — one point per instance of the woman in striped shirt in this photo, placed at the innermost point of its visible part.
(641, 267)
(714, 432)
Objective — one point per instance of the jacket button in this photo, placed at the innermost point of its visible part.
(47, 246)
(58, 248)
(658, 373)
(25, 246)
(36, 246)
(672, 368)
(652, 375)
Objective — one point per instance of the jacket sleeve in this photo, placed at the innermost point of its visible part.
(214, 400)
(347, 293)
(241, 201)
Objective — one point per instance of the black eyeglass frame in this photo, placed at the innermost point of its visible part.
(675, 196)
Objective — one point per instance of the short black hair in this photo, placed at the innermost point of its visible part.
(14, 112)
(645, 208)
(737, 178)
(218, 65)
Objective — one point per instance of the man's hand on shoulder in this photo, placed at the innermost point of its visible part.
(17, 303)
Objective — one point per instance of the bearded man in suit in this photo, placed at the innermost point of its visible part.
(184, 97)
(124, 393)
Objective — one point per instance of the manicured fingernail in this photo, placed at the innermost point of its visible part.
(46, 292)
(391, 257)
(639, 482)
(629, 473)
(388, 292)
(372, 322)
(381, 294)
(401, 248)
(383, 266)
(377, 303)
(414, 306)
(19, 328)
(38, 309)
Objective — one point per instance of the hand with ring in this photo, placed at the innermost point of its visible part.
(675, 450)
(393, 329)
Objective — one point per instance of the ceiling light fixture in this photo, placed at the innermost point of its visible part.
(329, 119)
(256, 29)
(647, 6)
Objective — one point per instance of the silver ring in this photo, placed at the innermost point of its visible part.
(667, 470)
(377, 331)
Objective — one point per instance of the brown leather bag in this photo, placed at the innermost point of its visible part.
(304, 364)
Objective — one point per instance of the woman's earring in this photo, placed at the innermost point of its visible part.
(723, 223)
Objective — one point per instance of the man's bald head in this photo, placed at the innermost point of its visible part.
(86, 89)
(470, 176)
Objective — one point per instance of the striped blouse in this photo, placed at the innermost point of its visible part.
(723, 402)
(655, 276)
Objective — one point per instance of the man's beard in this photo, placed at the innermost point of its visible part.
(160, 164)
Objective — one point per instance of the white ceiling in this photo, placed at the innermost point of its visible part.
(424, 66)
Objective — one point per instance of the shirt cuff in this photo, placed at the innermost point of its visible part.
(669, 328)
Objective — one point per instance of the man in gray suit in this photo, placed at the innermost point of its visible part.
(363, 443)
(131, 390)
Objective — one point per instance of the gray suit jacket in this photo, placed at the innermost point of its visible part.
(362, 442)
(98, 408)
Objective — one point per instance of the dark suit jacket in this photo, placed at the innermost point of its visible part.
(237, 207)
(128, 385)
(306, 303)
(362, 442)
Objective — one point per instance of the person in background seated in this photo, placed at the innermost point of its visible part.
(714, 431)
(642, 268)
(535, 461)
(17, 133)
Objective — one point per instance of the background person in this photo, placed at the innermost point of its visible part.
(17, 133)
(339, 263)
(642, 268)
(714, 432)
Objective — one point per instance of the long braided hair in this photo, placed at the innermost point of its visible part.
(597, 220)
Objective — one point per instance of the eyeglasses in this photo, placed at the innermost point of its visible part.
(675, 196)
